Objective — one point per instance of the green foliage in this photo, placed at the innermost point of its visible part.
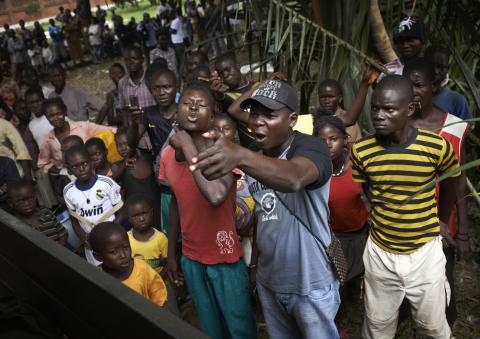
(32, 7)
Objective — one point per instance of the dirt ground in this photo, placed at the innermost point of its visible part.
(94, 78)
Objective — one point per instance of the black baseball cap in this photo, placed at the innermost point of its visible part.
(273, 94)
(411, 26)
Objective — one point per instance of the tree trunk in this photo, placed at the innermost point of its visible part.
(380, 35)
(316, 12)
(84, 11)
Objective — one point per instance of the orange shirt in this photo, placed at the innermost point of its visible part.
(147, 282)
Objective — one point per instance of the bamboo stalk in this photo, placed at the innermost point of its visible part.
(342, 42)
(474, 192)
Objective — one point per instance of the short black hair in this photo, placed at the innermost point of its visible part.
(57, 101)
(139, 199)
(224, 115)
(437, 49)
(328, 120)
(163, 31)
(157, 69)
(200, 54)
(396, 82)
(199, 69)
(77, 149)
(117, 65)
(422, 65)
(224, 57)
(331, 83)
(95, 142)
(22, 183)
(75, 139)
(100, 233)
(135, 48)
(200, 86)
(121, 131)
(34, 90)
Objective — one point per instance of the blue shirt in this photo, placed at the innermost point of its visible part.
(452, 102)
(290, 259)
(55, 34)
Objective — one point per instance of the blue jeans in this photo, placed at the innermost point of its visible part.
(291, 315)
(221, 298)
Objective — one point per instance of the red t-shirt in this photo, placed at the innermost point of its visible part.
(208, 233)
(454, 131)
(347, 210)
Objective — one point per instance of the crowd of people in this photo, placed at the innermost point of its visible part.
(190, 179)
(73, 41)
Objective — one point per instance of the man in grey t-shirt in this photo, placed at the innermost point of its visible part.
(296, 285)
(77, 100)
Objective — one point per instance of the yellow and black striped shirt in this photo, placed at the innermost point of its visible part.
(402, 221)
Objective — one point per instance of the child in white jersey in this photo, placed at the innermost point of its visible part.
(91, 199)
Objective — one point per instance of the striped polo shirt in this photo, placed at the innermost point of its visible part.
(404, 207)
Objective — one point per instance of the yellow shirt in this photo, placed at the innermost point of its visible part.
(145, 281)
(152, 251)
(12, 145)
(305, 125)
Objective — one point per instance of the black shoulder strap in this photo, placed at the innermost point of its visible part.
(301, 221)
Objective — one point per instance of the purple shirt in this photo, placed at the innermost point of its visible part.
(127, 88)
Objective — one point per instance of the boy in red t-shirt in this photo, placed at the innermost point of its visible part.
(214, 273)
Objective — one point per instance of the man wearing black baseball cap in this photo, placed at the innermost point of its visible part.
(289, 181)
(409, 38)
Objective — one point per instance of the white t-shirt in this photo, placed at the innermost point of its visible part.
(177, 25)
(40, 127)
(92, 202)
(94, 35)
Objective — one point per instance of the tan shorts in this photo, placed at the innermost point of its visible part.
(419, 277)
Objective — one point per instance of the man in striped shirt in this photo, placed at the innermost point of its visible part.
(403, 256)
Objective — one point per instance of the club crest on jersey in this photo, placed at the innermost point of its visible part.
(268, 203)
(99, 194)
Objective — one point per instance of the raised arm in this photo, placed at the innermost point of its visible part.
(353, 113)
(214, 190)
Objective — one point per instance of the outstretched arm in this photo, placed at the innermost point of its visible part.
(281, 175)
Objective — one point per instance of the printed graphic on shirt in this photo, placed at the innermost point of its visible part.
(225, 241)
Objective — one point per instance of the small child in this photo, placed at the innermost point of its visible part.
(47, 54)
(147, 242)
(64, 177)
(111, 246)
(35, 54)
(98, 154)
(135, 173)
(91, 199)
(244, 203)
(22, 200)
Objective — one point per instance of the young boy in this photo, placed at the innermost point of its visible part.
(22, 200)
(404, 257)
(135, 172)
(147, 242)
(157, 120)
(98, 154)
(215, 275)
(431, 118)
(91, 199)
(38, 125)
(163, 50)
(111, 247)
